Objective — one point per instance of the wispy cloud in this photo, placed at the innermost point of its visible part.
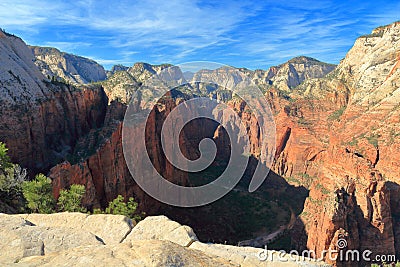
(252, 34)
(66, 46)
(387, 15)
(115, 61)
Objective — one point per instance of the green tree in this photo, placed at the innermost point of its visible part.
(38, 194)
(5, 162)
(71, 200)
(11, 178)
(118, 206)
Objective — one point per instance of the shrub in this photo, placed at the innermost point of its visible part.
(5, 166)
(71, 200)
(11, 178)
(371, 35)
(38, 194)
(119, 207)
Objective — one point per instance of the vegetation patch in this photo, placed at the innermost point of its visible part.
(37, 195)
(305, 179)
(335, 116)
(373, 139)
(303, 122)
(372, 35)
(393, 135)
(353, 142)
(321, 188)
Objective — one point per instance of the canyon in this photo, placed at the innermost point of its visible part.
(337, 130)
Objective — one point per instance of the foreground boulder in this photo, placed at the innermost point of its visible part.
(111, 229)
(76, 239)
(20, 238)
(165, 230)
(142, 253)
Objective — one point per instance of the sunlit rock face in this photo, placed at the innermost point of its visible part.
(41, 120)
(357, 187)
(71, 68)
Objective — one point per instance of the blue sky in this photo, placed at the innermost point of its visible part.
(248, 34)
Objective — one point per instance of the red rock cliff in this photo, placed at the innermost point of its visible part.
(41, 121)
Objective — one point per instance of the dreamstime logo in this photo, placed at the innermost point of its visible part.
(341, 254)
(157, 88)
(341, 242)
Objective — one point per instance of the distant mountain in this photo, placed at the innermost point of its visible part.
(116, 68)
(188, 75)
(124, 81)
(142, 71)
(71, 68)
(292, 73)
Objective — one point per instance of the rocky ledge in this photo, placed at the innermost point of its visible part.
(77, 239)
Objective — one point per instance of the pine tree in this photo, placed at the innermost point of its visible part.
(118, 206)
(4, 159)
(38, 194)
(71, 200)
